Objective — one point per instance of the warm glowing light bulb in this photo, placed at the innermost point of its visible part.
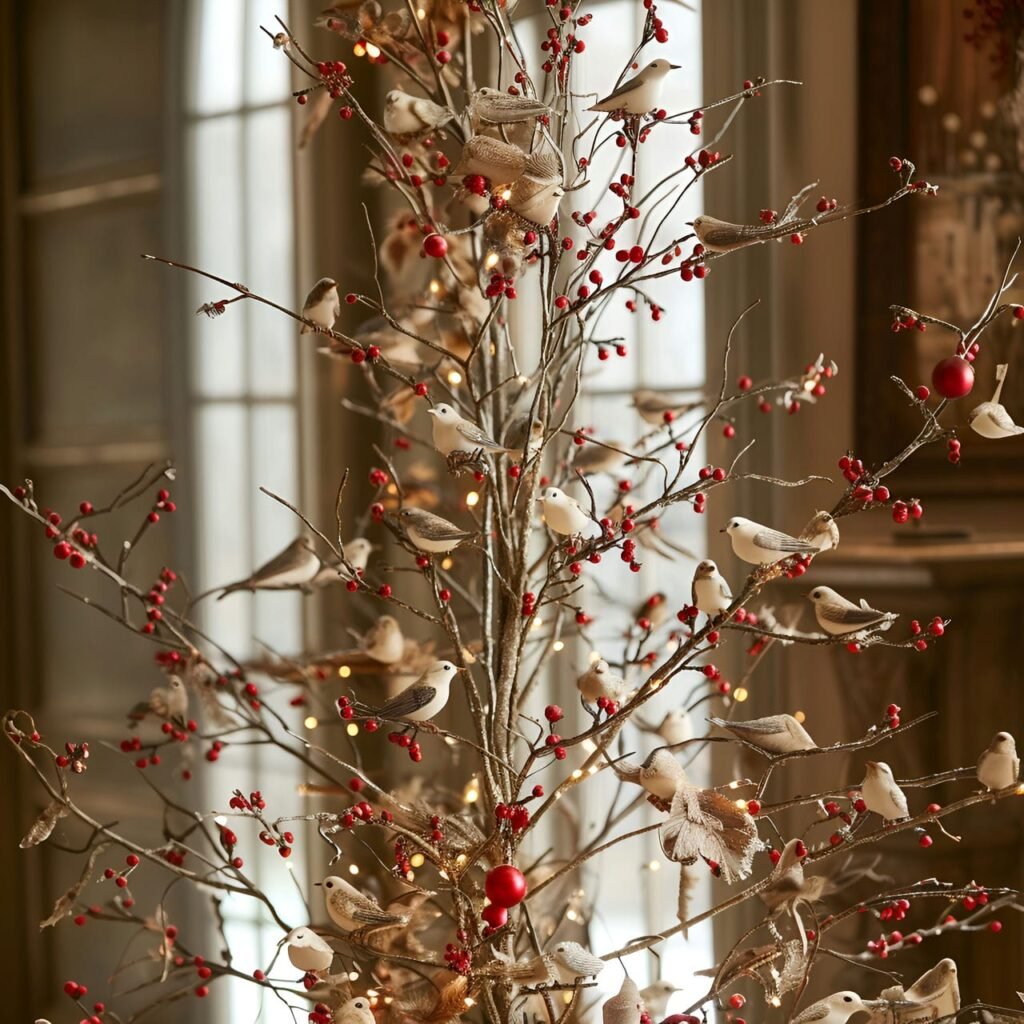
(417, 860)
(353, 869)
(741, 693)
(454, 378)
(372, 51)
(472, 499)
(491, 260)
(800, 717)
(446, 563)
(344, 671)
(577, 774)
(352, 728)
(654, 866)
(359, 50)
(595, 656)
(310, 722)
(557, 646)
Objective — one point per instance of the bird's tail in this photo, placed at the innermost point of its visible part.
(233, 588)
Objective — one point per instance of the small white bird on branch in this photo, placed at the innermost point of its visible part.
(761, 545)
(357, 553)
(999, 765)
(454, 433)
(432, 534)
(308, 951)
(322, 306)
(774, 734)
(838, 616)
(407, 116)
(296, 566)
(355, 1011)
(709, 592)
(641, 93)
(565, 515)
(383, 641)
(822, 532)
(839, 1008)
(600, 681)
(990, 419)
(660, 774)
(419, 703)
(166, 702)
(674, 728)
(881, 794)
(652, 406)
(352, 911)
(492, 106)
(656, 997)
(572, 962)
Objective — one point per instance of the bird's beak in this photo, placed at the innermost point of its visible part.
(688, 223)
(675, 67)
(873, 765)
(723, 530)
(318, 883)
(431, 412)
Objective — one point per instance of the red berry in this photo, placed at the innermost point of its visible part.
(435, 246)
(925, 841)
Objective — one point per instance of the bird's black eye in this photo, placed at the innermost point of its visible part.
(847, 999)
(330, 885)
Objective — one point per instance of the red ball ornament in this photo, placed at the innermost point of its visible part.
(435, 246)
(494, 915)
(953, 377)
(505, 885)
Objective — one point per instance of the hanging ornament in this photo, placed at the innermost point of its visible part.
(505, 885)
(953, 377)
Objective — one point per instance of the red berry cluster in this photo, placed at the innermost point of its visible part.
(826, 205)
(895, 911)
(529, 604)
(321, 1012)
(73, 990)
(953, 450)
(514, 816)
(213, 754)
(74, 757)
(458, 958)
(892, 714)
(403, 739)
(120, 878)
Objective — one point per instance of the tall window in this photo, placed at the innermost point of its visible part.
(244, 395)
(668, 356)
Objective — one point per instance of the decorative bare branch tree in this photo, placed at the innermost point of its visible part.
(485, 177)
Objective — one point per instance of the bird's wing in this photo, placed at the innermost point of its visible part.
(471, 432)
(693, 593)
(278, 564)
(624, 89)
(407, 702)
(819, 1011)
(362, 909)
(432, 527)
(724, 591)
(1002, 419)
(774, 540)
(849, 615)
(544, 166)
(762, 726)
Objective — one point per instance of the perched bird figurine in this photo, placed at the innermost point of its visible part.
(624, 1008)
(822, 532)
(536, 194)
(881, 794)
(709, 592)
(526, 434)
(789, 888)
(656, 997)
(406, 117)
(492, 106)
(937, 989)
(838, 616)
(383, 641)
(760, 545)
(419, 703)
(454, 433)
(322, 306)
(296, 566)
(652, 406)
(355, 1011)
(357, 554)
(166, 702)
(673, 729)
(775, 734)
(500, 162)
(571, 962)
(990, 419)
(839, 1008)
(431, 533)
(641, 93)
(351, 911)
(308, 951)
(723, 236)
(660, 774)
(600, 681)
(999, 765)
(565, 515)
(596, 458)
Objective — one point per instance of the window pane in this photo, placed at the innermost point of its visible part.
(218, 353)
(270, 250)
(219, 56)
(267, 70)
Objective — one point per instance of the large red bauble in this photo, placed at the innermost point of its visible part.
(953, 377)
(494, 915)
(505, 885)
(435, 246)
